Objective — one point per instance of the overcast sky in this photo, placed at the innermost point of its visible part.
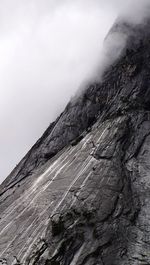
(48, 48)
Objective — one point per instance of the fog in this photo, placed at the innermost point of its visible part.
(48, 49)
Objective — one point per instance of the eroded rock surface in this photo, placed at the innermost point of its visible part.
(81, 196)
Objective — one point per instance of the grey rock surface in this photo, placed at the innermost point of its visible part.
(81, 196)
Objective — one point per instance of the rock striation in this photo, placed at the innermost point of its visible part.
(81, 196)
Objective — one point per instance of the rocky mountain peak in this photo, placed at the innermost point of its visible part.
(81, 196)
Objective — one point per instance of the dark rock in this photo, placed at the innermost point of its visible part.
(84, 188)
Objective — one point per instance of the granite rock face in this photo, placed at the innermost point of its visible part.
(81, 196)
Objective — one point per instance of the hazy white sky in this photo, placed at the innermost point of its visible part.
(48, 48)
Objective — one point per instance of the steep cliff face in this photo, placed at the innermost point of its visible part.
(82, 194)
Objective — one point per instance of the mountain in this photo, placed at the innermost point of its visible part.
(81, 195)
